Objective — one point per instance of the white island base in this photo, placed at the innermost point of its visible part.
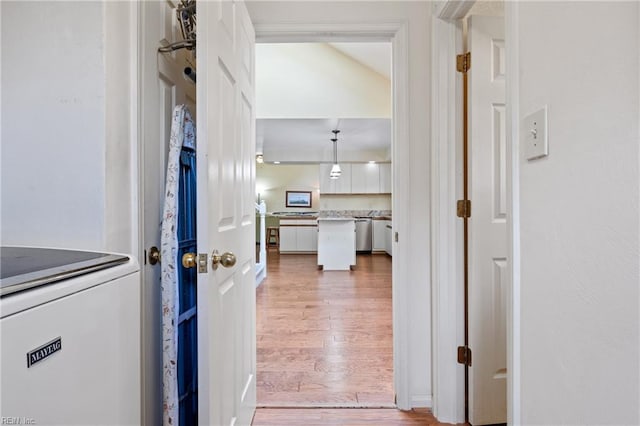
(336, 243)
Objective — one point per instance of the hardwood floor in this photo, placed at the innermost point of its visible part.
(324, 339)
(342, 416)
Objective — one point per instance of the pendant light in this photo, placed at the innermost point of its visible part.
(335, 169)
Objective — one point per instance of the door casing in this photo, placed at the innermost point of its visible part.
(397, 34)
(447, 305)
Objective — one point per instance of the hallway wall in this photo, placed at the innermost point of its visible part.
(53, 157)
(68, 153)
(579, 214)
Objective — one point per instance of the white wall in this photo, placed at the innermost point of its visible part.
(53, 141)
(121, 188)
(579, 214)
(65, 109)
(272, 182)
(315, 80)
(411, 154)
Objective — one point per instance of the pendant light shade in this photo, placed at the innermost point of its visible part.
(335, 169)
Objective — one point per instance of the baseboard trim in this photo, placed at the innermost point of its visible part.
(421, 401)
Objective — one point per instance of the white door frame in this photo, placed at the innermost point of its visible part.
(397, 34)
(447, 305)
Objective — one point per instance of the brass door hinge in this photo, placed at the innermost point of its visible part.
(463, 62)
(463, 208)
(464, 355)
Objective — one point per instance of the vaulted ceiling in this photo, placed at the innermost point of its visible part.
(303, 91)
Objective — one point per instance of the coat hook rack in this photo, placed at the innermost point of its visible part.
(186, 15)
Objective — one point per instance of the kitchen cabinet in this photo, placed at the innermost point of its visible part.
(336, 243)
(298, 236)
(357, 178)
(365, 178)
(307, 238)
(385, 178)
(342, 185)
(379, 240)
(288, 238)
(388, 241)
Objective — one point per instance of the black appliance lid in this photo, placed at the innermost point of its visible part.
(22, 268)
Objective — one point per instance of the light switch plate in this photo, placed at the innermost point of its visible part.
(534, 134)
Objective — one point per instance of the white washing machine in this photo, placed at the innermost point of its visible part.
(70, 337)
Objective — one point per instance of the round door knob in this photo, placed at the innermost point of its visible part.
(154, 255)
(226, 259)
(189, 260)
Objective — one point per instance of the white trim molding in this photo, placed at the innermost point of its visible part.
(452, 10)
(422, 401)
(446, 228)
(397, 33)
(513, 213)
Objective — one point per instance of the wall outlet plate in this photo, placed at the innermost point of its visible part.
(534, 135)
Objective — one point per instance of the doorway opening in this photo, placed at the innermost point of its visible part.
(324, 337)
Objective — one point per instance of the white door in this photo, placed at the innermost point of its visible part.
(488, 232)
(162, 88)
(226, 179)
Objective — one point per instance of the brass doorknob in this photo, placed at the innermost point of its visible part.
(154, 255)
(226, 259)
(189, 260)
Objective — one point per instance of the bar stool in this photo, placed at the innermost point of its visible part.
(273, 232)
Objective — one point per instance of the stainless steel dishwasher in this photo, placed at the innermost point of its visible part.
(363, 235)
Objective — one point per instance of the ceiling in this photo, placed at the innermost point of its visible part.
(376, 56)
(313, 136)
(356, 134)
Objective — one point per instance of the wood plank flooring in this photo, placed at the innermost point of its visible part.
(324, 338)
(342, 416)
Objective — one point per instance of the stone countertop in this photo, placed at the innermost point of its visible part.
(365, 214)
(336, 218)
(310, 217)
(382, 218)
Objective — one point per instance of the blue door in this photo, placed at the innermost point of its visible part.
(187, 294)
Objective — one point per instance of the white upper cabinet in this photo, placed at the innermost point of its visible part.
(365, 178)
(357, 178)
(385, 178)
(342, 185)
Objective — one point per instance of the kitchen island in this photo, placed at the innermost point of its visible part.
(336, 243)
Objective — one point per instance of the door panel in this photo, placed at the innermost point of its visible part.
(226, 178)
(162, 87)
(227, 150)
(488, 236)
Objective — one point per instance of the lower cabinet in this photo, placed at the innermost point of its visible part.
(388, 241)
(288, 238)
(379, 239)
(307, 238)
(299, 239)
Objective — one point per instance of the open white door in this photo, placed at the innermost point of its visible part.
(488, 223)
(162, 87)
(226, 176)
